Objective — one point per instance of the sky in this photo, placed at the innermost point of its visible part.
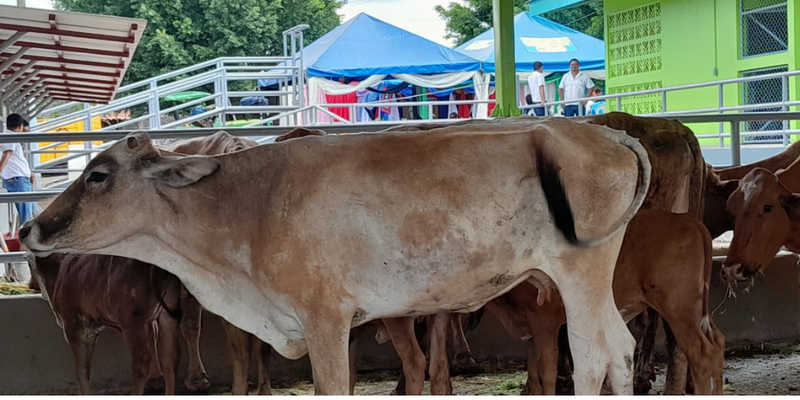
(415, 16)
(29, 3)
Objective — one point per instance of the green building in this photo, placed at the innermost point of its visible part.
(663, 43)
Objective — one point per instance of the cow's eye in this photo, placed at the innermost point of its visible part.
(767, 208)
(98, 177)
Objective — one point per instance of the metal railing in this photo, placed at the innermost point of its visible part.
(146, 98)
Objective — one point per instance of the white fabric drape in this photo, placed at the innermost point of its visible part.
(336, 88)
(318, 86)
(437, 81)
(481, 81)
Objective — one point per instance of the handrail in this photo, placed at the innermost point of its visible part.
(34, 137)
(272, 131)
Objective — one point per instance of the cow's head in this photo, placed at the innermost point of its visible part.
(110, 199)
(716, 217)
(766, 212)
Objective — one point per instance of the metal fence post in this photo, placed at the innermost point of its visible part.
(785, 99)
(721, 98)
(87, 126)
(736, 151)
(153, 108)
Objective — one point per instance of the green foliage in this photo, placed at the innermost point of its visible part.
(465, 21)
(586, 18)
(181, 33)
(473, 17)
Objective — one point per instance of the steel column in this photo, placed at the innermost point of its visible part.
(10, 42)
(505, 60)
(11, 60)
(25, 81)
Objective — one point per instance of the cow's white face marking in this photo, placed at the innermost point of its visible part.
(750, 188)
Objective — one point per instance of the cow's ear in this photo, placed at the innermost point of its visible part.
(180, 172)
(791, 203)
(726, 188)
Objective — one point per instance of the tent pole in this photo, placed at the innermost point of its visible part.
(505, 65)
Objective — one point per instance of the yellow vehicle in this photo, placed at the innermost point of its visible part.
(75, 127)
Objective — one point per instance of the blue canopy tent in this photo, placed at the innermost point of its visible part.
(368, 50)
(539, 39)
(366, 46)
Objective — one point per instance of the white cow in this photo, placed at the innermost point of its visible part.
(299, 241)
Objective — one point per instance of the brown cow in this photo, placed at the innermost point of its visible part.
(190, 309)
(716, 218)
(77, 286)
(773, 164)
(677, 184)
(665, 263)
(766, 207)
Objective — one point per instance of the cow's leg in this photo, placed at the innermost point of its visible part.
(439, 365)
(404, 340)
(239, 342)
(191, 322)
(327, 332)
(264, 351)
(677, 366)
(544, 326)
(600, 342)
(140, 339)
(82, 343)
(462, 359)
(644, 372)
(704, 344)
(355, 338)
(168, 350)
(533, 386)
(564, 384)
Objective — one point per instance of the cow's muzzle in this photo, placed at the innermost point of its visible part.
(732, 273)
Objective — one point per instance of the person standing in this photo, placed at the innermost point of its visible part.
(574, 85)
(14, 169)
(536, 84)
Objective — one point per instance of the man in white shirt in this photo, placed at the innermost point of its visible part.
(14, 169)
(536, 85)
(574, 85)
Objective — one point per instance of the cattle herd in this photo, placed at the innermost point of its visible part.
(564, 229)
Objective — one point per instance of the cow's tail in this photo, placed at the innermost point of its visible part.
(705, 323)
(556, 195)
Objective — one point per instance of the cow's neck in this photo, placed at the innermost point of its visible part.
(791, 177)
(227, 292)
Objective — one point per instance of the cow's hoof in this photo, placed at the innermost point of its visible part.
(154, 385)
(564, 385)
(198, 384)
(464, 363)
(642, 386)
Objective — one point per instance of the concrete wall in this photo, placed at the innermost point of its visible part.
(35, 359)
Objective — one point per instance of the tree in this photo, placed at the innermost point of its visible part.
(586, 18)
(473, 17)
(181, 33)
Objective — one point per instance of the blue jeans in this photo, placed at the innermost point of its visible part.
(16, 185)
(571, 111)
(538, 111)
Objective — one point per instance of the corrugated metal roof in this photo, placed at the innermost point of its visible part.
(64, 55)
